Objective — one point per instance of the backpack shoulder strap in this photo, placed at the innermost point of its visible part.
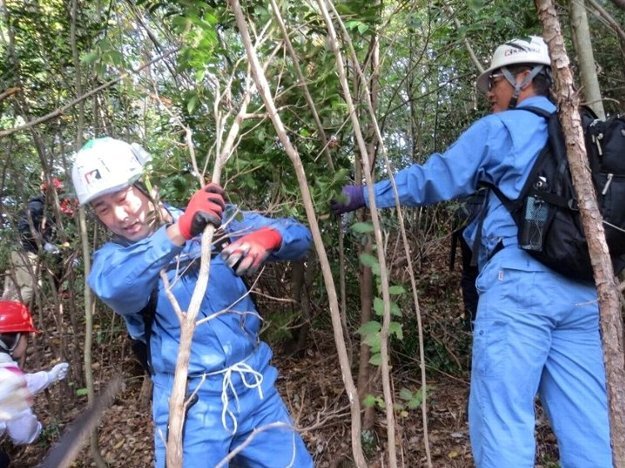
(536, 110)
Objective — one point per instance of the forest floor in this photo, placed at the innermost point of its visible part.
(312, 387)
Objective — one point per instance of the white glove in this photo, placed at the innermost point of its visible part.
(58, 372)
(51, 248)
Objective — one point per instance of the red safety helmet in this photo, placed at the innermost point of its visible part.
(55, 182)
(68, 206)
(15, 318)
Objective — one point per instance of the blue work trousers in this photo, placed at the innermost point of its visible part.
(210, 434)
(536, 332)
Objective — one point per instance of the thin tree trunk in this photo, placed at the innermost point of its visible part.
(377, 230)
(300, 296)
(178, 401)
(366, 372)
(264, 91)
(583, 46)
(89, 309)
(607, 287)
(84, 238)
(386, 381)
(365, 369)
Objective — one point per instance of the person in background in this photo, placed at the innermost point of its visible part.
(536, 331)
(17, 418)
(37, 229)
(229, 367)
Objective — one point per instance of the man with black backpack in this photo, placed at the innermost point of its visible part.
(536, 331)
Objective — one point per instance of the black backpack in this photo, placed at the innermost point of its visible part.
(546, 212)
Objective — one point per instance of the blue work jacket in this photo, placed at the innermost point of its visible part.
(499, 149)
(125, 276)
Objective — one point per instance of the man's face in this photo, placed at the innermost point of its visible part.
(125, 213)
(499, 92)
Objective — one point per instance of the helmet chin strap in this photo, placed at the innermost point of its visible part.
(518, 87)
(10, 348)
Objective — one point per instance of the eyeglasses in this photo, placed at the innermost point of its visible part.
(493, 79)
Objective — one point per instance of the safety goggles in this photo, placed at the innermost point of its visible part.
(493, 79)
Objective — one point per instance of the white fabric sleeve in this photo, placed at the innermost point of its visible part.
(24, 428)
(37, 381)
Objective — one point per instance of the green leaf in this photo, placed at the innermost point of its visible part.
(116, 57)
(362, 228)
(369, 401)
(416, 400)
(376, 359)
(397, 289)
(373, 341)
(378, 306)
(191, 104)
(405, 394)
(394, 328)
(89, 57)
(369, 328)
(412, 399)
(368, 260)
(81, 391)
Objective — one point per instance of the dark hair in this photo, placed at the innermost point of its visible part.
(542, 82)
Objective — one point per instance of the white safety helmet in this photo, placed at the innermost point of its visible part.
(530, 50)
(106, 165)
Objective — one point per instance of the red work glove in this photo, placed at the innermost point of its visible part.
(205, 207)
(249, 252)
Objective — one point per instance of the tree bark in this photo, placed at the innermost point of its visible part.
(607, 287)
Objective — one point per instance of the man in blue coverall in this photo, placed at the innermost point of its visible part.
(536, 331)
(229, 366)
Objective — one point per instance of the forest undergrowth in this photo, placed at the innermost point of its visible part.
(311, 384)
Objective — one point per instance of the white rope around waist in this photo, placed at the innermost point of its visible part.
(244, 370)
